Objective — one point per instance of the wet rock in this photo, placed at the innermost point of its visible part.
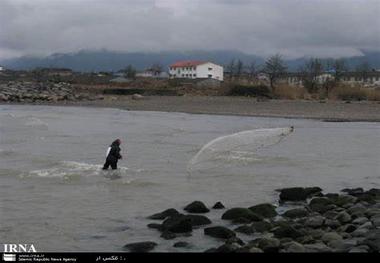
(227, 248)
(164, 214)
(343, 200)
(269, 245)
(343, 217)
(294, 247)
(340, 245)
(317, 247)
(286, 231)
(358, 250)
(372, 212)
(168, 235)
(198, 220)
(330, 214)
(367, 225)
(353, 191)
(296, 213)
(360, 232)
(332, 223)
(357, 208)
(182, 244)
(376, 221)
(177, 224)
(316, 221)
(235, 213)
(241, 220)
(349, 228)
(255, 250)
(330, 236)
(262, 226)
(218, 205)
(316, 233)
(219, 232)
(265, 210)
(156, 226)
(141, 246)
(293, 194)
(373, 240)
(196, 207)
(320, 204)
(360, 221)
(245, 229)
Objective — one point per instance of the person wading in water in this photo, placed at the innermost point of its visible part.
(113, 155)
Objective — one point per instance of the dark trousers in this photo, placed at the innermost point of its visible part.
(108, 163)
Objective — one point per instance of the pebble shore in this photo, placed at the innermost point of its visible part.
(310, 221)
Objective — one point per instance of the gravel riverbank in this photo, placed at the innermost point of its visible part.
(304, 220)
(243, 106)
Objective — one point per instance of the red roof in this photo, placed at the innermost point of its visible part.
(187, 63)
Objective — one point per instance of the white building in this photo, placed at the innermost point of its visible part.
(196, 70)
(1, 68)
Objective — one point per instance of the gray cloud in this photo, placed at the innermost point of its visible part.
(291, 27)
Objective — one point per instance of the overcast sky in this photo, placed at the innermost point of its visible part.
(293, 28)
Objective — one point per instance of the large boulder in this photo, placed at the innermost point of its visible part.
(262, 226)
(177, 224)
(239, 212)
(343, 217)
(293, 194)
(219, 232)
(298, 193)
(354, 191)
(373, 240)
(245, 229)
(296, 213)
(320, 204)
(265, 210)
(269, 245)
(198, 220)
(164, 214)
(286, 231)
(315, 222)
(140, 246)
(196, 207)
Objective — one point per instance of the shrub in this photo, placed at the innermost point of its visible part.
(290, 92)
(250, 90)
(350, 93)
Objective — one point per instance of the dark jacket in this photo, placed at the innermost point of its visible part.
(114, 154)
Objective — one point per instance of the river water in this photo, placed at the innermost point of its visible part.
(54, 195)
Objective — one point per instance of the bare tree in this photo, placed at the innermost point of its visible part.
(231, 68)
(157, 68)
(252, 69)
(239, 68)
(310, 72)
(338, 67)
(130, 72)
(274, 67)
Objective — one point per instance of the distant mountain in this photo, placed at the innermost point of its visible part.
(104, 60)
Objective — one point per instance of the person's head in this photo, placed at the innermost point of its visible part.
(117, 142)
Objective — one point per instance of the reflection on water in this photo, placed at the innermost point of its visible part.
(55, 194)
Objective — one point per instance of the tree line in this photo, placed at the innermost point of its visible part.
(275, 68)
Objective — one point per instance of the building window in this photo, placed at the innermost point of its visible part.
(183, 75)
(194, 75)
(209, 75)
(193, 68)
(209, 68)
